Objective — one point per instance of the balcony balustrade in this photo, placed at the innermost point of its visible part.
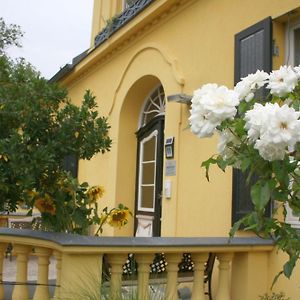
(79, 263)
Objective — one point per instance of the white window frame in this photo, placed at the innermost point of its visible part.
(290, 43)
(290, 218)
(149, 137)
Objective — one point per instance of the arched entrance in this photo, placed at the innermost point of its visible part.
(150, 138)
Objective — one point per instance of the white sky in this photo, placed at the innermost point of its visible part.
(55, 31)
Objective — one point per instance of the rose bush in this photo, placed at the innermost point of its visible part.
(259, 127)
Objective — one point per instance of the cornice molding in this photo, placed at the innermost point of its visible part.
(125, 37)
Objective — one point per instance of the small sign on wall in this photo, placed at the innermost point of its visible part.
(170, 167)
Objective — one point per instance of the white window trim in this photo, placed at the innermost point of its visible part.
(289, 42)
(149, 137)
(290, 218)
(145, 104)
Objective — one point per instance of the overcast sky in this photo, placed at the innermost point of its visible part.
(55, 30)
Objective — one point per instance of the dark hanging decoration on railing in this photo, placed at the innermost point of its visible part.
(118, 21)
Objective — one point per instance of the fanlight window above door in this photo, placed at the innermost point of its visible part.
(154, 106)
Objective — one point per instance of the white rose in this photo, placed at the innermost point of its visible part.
(297, 71)
(273, 129)
(211, 105)
(270, 151)
(248, 85)
(283, 126)
(226, 137)
(282, 81)
(256, 120)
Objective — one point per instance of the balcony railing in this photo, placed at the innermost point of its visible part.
(79, 264)
(120, 20)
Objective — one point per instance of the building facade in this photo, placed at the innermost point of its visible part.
(144, 62)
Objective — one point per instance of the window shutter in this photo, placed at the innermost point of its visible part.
(253, 51)
(70, 164)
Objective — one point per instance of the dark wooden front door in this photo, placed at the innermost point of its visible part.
(149, 178)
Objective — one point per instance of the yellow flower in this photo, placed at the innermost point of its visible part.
(3, 157)
(76, 134)
(95, 193)
(118, 217)
(32, 194)
(45, 205)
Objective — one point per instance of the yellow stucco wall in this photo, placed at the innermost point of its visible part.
(187, 44)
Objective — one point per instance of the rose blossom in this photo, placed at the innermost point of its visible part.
(227, 137)
(273, 128)
(248, 85)
(282, 81)
(211, 104)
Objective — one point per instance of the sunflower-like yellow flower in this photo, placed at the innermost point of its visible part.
(95, 193)
(3, 157)
(32, 194)
(118, 217)
(45, 205)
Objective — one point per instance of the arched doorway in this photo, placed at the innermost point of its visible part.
(150, 138)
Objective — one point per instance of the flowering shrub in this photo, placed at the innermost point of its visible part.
(261, 137)
(72, 207)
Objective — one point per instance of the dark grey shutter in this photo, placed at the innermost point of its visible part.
(70, 164)
(253, 51)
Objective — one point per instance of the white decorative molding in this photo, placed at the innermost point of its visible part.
(144, 226)
(168, 58)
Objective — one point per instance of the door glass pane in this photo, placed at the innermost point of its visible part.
(297, 46)
(147, 196)
(149, 149)
(148, 173)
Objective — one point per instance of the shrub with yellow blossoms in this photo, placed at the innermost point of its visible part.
(72, 207)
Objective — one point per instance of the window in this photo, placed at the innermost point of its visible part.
(147, 175)
(252, 52)
(293, 44)
(292, 58)
(154, 106)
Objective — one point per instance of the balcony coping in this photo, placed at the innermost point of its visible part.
(74, 240)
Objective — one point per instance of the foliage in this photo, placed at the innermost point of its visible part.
(39, 128)
(260, 136)
(9, 35)
(274, 296)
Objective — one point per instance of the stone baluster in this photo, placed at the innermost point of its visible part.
(20, 291)
(223, 292)
(173, 260)
(116, 262)
(42, 289)
(57, 256)
(199, 260)
(3, 248)
(144, 261)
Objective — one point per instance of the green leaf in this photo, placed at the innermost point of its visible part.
(206, 164)
(276, 278)
(245, 164)
(289, 266)
(222, 164)
(235, 227)
(260, 195)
